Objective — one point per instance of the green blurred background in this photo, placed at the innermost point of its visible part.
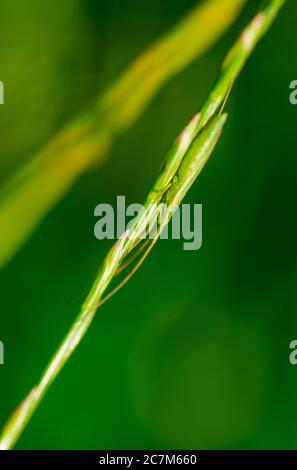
(194, 352)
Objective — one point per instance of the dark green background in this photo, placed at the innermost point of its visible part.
(194, 352)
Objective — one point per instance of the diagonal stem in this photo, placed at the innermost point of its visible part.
(183, 165)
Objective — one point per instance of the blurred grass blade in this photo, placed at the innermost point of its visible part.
(42, 182)
(189, 39)
(180, 178)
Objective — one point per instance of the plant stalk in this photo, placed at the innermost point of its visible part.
(183, 165)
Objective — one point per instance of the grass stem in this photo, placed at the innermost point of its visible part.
(184, 163)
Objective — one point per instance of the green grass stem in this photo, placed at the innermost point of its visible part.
(183, 165)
